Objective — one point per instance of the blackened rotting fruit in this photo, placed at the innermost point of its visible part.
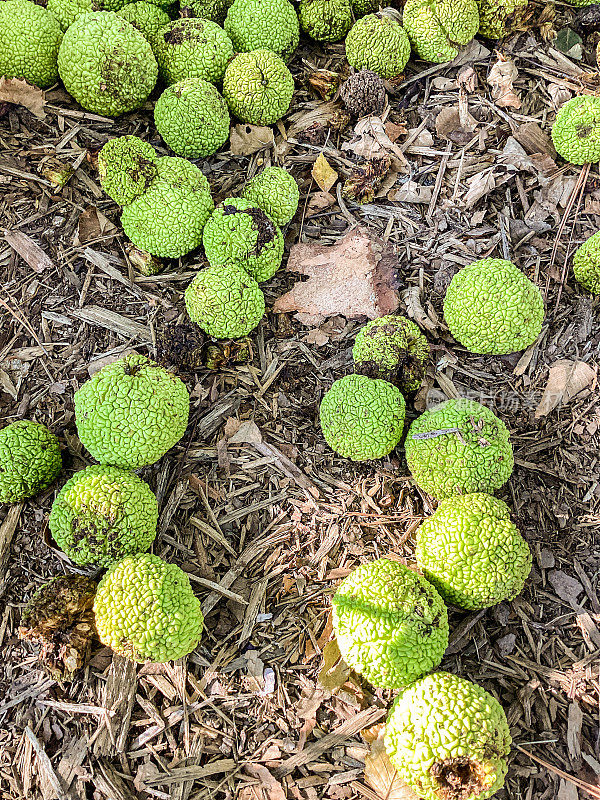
(364, 93)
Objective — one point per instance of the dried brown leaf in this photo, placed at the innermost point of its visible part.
(335, 672)
(92, 225)
(355, 277)
(247, 139)
(323, 173)
(21, 93)
(501, 78)
(271, 788)
(380, 775)
(566, 379)
(456, 127)
(319, 202)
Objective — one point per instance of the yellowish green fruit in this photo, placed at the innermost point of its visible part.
(146, 610)
(258, 87)
(225, 301)
(576, 130)
(325, 20)
(30, 460)
(148, 18)
(214, 10)
(391, 625)
(276, 192)
(102, 515)
(499, 18)
(378, 43)
(362, 418)
(492, 307)
(30, 38)
(131, 412)
(437, 28)
(127, 166)
(472, 553)
(263, 25)
(458, 447)
(192, 48)
(586, 264)
(448, 738)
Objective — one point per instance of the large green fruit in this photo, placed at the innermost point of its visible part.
(391, 625)
(192, 48)
(586, 264)
(146, 610)
(29, 460)
(448, 738)
(131, 412)
(127, 167)
(379, 43)
(459, 447)
(437, 28)
(276, 192)
(471, 551)
(362, 418)
(263, 24)
(102, 515)
(258, 87)
(30, 38)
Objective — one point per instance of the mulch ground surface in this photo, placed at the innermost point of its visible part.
(255, 507)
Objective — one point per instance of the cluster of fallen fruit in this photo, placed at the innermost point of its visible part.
(446, 736)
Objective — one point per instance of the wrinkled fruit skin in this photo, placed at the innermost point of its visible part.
(168, 219)
(106, 64)
(240, 233)
(192, 48)
(362, 418)
(30, 460)
(263, 24)
(436, 27)
(146, 17)
(474, 453)
(472, 553)
(102, 515)
(394, 349)
(497, 18)
(378, 43)
(225, 301)
(192, 118)
(325, 20)
(146, 610)
(448, 738)
(131, 412)
(576, 130)
(258, 87)
(276, 192)
(586, 264)
(492, 307)
(391, 625)
(214, 10)
(30, 38)
(127, 166)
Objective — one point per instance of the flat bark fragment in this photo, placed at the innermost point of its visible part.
(357, 277)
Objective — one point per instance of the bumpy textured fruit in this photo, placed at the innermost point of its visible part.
(146, 17)
(258, 87)
(168, 218)
(576, 130)
(492, 307)
(391, 625)
(498, 18)
(379, 43)
(362, 418)
(127, 166)
(131, 412)
(586, 264)
(472, 553)
(29, 460)
(215, 10)
(225, 301)
(437, 27)
(146, 610)
(459, 447)
(192, 118)
(325, 20)
(263, 25)
(106, 64)
(192, 48)
(394, 349)
(29, 41)
(448, 738)
(102, 515)
(67, 11)
(276, 192)
(240, 233)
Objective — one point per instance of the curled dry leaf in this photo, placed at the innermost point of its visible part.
(21, 93)
(371, 140)
(501, 78)
(357, 277)
(566, 379)
(379, 772)
(92, 225)
(319, 201)
(247, 139)
(335, 672)
(323, 173)
(272, 789)
(455, 126)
